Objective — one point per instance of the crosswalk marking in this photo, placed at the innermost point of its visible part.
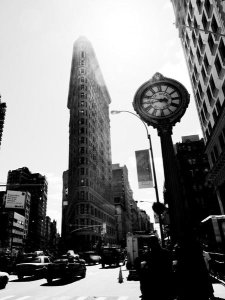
(14, 297)
(7, 297)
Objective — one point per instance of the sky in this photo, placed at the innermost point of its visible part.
(132, 39)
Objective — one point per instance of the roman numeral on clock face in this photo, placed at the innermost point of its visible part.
(174, 104)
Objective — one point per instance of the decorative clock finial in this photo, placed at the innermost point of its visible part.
(157, 76)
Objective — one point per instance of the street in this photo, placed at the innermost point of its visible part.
(99, 284)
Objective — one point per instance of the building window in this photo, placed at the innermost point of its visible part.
(218, 106)
(214, 114)
(207, 134)
(206, 62)
(205, 110)
(196, 72)
(194, 80)
(222, 50)
(223, 87)
(194, 38)
(221, 140)
(209, 94)
(213, 157)
(204, 22)
(186, 47)
(203, 117)
(200, 88)
(198, 98)
(216, 153)
(207, 7)
(200, 42)
(203, 73)
(212, 85)
(187, 39)
(211, 43)
(199, 56)
(191, 9)
(199, 5)
(210, 128)
(195, 25)
(218, 65)
(82, 209)
(191, 54)
(81, 150)
(214, 25)
(189, 21)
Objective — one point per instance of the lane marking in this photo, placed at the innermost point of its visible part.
(122, 298)
(82, 298)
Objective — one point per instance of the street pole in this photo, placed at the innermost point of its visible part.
(113, 112)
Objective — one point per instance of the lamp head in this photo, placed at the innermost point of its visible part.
(115, 112)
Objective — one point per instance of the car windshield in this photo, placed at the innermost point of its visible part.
(31, 260)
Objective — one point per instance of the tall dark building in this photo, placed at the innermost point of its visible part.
(201, 200)
(201, 31)
(90, 203)
(2, 118)
(123, 196)
(36, 184)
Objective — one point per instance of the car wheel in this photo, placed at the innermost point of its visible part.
(4, 282)
(20, 276)
(83, 274)
(49, 280)
(103, 266)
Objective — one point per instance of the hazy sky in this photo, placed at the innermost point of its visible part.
(132, 39)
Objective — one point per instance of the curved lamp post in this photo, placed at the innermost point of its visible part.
(115, 112)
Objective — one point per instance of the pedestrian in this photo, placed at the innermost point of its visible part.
(192, 276)
(155, 272)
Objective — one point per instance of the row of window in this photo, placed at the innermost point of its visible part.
(216, 152)
(87, 224)
(86, 209)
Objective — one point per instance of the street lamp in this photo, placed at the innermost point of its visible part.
(115, 112)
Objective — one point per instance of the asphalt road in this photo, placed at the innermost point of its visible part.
(99, 284)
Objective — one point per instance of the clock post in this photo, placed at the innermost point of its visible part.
(174, 192)
(161, 102)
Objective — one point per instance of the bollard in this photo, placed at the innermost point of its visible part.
(120, 279)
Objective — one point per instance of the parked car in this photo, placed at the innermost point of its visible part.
(111, 256)
(4, 279)
(66, 267)
(33, 266)
(91, 257)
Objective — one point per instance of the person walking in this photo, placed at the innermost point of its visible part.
(192, 276)
(155, 272)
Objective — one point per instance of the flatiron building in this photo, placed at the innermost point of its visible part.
(88, 218)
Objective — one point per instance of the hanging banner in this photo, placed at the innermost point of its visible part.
(144, 171)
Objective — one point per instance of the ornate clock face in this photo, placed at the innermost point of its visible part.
(161, 100)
